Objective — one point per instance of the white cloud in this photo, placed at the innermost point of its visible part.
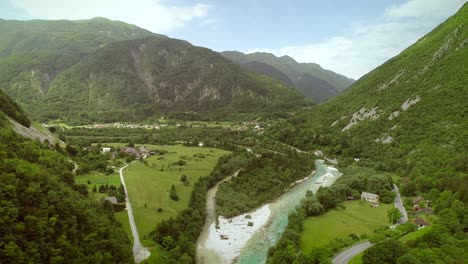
(154, 15)
(369, 45)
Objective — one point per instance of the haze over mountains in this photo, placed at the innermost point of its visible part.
(309, 78)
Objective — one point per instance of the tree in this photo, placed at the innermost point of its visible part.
(183, 178)
(71, 150)
(326, 197)
(312, 206)
(383, 253)
(393, 215)
(173, 194)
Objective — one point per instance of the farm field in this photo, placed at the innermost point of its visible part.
(358, 218)
(149, 182)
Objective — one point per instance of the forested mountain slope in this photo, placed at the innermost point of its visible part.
(406, 119)
(44, 216)
(10, 108)
(136, 78)
(102, 70)
(408, 115)
(66, 37)
(309, 78)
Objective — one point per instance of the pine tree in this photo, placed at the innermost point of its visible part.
(173, 194)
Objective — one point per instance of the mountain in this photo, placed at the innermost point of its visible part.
(309, 78)
(266, 69)
(64, 36)
(407, 120)
(102, 70)
(407, 116)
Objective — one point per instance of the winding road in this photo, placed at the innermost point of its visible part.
(140, 252)
(345, 256)
(399, 206)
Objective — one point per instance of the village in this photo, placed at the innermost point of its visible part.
(165, 123)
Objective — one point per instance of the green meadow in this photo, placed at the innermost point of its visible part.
(149, 183)
(358, 218)
(97, 179)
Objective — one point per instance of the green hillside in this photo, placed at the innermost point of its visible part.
(11, 109)
(102, 70)
(33, 53)
(135, 79)
(77, 37)
(407, 116)
(309, 78)
(45, 217)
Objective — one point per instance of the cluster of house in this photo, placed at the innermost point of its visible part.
(420, 205)
(257, 127)
(120, 125)
(141, 151)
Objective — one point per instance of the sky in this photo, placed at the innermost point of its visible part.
(348, 37)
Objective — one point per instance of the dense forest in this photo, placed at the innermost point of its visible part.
(43, 218)
(263, 179)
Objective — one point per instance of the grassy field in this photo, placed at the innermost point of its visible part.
(149, 183)
(414, 235)
(356, 259)
(358, 218)
(98, 178)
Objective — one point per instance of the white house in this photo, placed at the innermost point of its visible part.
(370, 197)
(104, 150)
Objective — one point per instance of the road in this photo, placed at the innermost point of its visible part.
(140, 253)
(399, 206)
(345, 256)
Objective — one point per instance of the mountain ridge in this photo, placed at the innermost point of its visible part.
(309, 78)
(161, 74)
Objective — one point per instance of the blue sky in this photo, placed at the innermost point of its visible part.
(348, 37)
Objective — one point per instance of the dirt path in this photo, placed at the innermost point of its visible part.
(140, 253)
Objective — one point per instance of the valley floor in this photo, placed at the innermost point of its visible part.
(358, 218)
